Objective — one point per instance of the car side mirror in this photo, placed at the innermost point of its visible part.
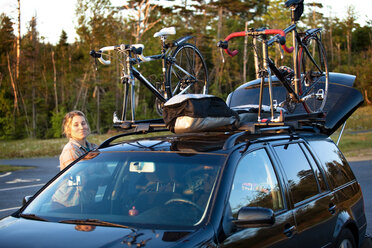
(254, 217)
(26, 199)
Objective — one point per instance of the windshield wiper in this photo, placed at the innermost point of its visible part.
(94, 222)
(32, 217)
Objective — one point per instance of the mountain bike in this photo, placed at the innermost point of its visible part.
(183, 67)
(307, 82)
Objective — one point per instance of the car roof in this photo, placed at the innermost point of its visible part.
(204, 142)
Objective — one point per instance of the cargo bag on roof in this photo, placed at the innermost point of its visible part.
(197, 113)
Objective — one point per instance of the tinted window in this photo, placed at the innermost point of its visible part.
(300, 176)
(314, 165)
(255, 183)
(334, 163)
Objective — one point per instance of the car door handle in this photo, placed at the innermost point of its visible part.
(288, 231)
(332, 208)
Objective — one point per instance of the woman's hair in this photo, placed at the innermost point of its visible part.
(67, 120)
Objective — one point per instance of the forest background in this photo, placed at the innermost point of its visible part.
(40, 82)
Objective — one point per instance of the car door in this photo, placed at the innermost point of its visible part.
(256, 184)
(313, 204)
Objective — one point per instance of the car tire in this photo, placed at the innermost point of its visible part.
(345, 239)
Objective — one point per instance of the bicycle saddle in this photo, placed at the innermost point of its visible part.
(299, 8)
(291, 3)
(165, 32)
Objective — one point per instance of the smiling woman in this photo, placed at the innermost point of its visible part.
(76, 128)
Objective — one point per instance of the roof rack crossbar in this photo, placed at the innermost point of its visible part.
(140, 124)
(107, 142)
(230, 142)
(288, 128)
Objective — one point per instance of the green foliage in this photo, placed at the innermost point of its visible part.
(56, 121)
(62, 77)
(6, 117)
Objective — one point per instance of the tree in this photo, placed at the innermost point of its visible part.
(139, 14)
(350, 25)
(18, 39)
(7, 36)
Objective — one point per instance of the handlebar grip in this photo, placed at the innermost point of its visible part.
(99, 54)
(103, 61)
(231, 53)
(282, 39)
(287, 49)
(232, 35)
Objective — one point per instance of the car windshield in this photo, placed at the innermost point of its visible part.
(138, 189)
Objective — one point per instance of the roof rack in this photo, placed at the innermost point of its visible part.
(291, 123)
(141, 125)
(231, 141)
(310, 122)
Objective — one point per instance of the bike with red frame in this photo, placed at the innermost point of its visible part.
(307, 83)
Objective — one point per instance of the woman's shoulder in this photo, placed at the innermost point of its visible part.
(92, 146)
(70, 146)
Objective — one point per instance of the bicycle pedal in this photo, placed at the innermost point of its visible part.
(320, 94)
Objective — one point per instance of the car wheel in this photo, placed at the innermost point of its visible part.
(345, 239)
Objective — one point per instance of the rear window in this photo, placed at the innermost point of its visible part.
(333, 162)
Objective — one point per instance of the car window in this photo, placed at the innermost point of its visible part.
(255, 183)
(133, 188)
(334, 163)
(300, 176)
(314, 165)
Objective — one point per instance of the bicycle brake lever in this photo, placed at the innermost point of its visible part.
(223, 58)
(281, 51)
(96, 64)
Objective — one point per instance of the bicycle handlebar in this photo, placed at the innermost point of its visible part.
(281, 39)
(136, 49)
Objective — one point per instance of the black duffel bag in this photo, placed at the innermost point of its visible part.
(198, 113)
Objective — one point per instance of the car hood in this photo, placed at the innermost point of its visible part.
(19, 232)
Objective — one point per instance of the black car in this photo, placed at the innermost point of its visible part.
(280, 185)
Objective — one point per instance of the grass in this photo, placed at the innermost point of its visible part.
(360, 120)
(8, 168)
(28, 148)
(353, 143)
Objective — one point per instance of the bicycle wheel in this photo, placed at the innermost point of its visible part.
(313, 87)
(187, 72)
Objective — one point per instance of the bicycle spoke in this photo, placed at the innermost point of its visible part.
(187, 72)
(314, 69)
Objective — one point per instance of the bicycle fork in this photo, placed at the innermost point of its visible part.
(268, 74)
(128, 81)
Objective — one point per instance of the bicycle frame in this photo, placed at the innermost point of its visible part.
(133, 56)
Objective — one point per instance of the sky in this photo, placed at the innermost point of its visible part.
(54, 16)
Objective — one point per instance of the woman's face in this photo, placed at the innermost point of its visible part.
(79, 128)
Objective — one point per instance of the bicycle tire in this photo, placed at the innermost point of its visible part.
(190, 59)
(313, 87)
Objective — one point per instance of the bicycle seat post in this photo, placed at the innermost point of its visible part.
(297, 74)
(268, 75)
(164, 64)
